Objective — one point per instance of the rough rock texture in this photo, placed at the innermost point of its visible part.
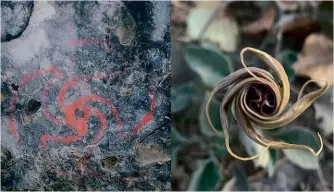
(14, 18)
(85, 96)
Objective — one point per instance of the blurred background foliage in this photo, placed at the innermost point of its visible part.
(206, 41)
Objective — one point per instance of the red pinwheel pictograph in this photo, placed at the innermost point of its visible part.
(70, 118)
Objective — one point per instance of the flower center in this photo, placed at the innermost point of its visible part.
(261, 99)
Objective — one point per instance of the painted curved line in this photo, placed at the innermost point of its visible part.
(79, 103)
(43, 99)
(26, 78)
(82, 100)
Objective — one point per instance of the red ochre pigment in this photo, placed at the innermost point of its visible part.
(70, 119)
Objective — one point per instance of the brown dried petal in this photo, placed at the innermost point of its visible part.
(258, 100)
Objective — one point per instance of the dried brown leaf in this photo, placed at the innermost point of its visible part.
(212, 5)
(262, 24)
(316, 58)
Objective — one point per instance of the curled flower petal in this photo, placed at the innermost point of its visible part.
(258, 100)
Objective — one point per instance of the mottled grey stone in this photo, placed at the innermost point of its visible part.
(14, 18)
(129, 37)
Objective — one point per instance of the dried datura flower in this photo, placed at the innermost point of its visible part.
(258, 100)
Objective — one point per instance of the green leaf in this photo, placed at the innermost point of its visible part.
(252, 148)
(206, 177)
(174, 156)
(181, 96)
(211, 46)
(219, 147)
(207, 44)
(214, 116)
(302, 136)
(223, 31)
(288, 58)
(274, 157)
(196, 21)
(210, 65)
(262, 4)
(241, 183)
(324, 110)
(177, 138)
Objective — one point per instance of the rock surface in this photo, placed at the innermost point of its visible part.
(14, 18)
(84, 86)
